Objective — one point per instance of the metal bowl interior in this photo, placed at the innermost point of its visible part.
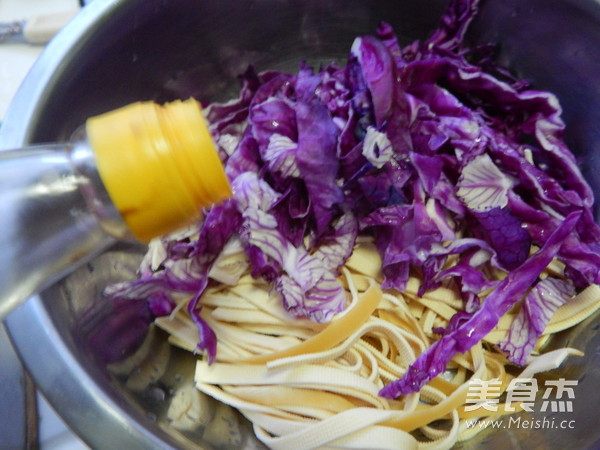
(117, 52)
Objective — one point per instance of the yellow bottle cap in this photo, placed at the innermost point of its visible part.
(158, 163)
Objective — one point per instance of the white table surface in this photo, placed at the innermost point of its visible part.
(16, 59)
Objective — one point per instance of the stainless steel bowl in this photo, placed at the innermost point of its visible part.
(119, 51)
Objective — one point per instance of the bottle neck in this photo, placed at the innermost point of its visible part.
(55, 215)
(93, 190)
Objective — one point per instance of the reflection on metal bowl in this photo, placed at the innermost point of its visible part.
(117, 52)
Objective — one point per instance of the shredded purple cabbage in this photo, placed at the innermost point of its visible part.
(535, 313)
(431, 150)
(476, 326)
